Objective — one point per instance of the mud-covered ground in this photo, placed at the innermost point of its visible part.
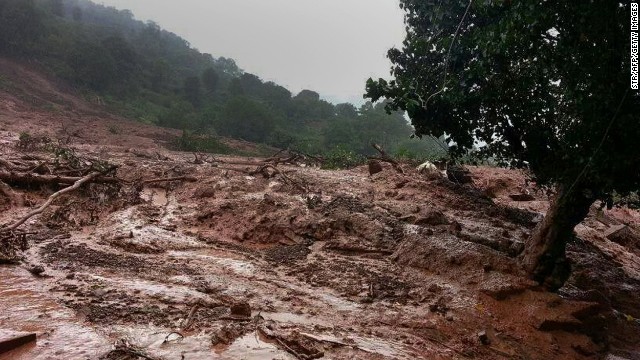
(303, 264)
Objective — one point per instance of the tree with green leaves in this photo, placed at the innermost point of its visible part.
(93, 66)
(247, 119)
(125, 58)
(535, 84)
(346, 110)
(77, 13)
(210, 80)
(193, 90)
(57, 7)
(21, 25)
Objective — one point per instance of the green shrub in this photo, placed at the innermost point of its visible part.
(200, 143)
(29, 142)
(341, 158)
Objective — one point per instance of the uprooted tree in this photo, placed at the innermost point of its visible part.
(536, 84)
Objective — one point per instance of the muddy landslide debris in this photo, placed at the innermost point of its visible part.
(291, 262)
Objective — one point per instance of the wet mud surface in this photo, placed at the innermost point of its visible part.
(390, 266)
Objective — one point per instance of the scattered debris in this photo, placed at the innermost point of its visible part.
(50, 200)
(124, 349)
(335, 264)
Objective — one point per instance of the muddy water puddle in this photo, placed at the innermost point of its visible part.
(27, 307)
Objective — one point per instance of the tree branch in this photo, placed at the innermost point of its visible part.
(54, 196)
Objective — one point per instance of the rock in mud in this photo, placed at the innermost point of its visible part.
(495, 187)
(449, 316)
(374, 167)
(455, 227)
(205, 192)
(484, 338)
(36, 270)
(241, 309)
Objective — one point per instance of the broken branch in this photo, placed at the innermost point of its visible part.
(187, 322)
(54, 196)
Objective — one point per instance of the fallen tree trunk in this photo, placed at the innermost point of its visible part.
(49, 201)
(18, 178)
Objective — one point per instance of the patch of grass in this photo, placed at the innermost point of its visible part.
(200, 143)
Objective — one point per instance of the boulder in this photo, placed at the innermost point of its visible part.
(374, 167)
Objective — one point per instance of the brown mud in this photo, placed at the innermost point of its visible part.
(389, 266)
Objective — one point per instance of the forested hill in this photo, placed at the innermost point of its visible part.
(149, 74)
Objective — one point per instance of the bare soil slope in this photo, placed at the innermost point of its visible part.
(304, 263)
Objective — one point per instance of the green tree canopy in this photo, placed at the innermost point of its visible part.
(536, 84)
(21, 24)
(193, 90)
(246, 119)
(210, 79)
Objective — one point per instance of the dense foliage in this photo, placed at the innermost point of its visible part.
(154, 76)
(536, 84)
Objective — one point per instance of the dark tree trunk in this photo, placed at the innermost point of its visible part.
(544, 255)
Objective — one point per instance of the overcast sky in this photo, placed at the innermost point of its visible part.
(330, 46)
